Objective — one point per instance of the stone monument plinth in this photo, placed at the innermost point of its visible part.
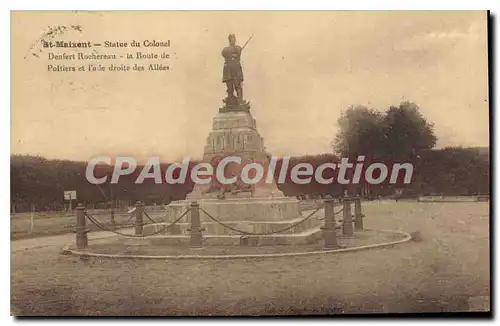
(257, 208)
(234, 133)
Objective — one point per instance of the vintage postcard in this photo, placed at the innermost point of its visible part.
(257, 163)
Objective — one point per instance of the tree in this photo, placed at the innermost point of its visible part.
(401, 132)
(361, 132)
(406, 132)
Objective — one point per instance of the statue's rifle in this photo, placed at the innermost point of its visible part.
(246, 42)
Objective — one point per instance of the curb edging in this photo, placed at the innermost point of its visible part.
(407, 237)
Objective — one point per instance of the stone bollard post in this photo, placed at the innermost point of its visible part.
(81, 231)
(195, 229)
(138, 218)
(358, 214)
(329, 232)
(347, 229)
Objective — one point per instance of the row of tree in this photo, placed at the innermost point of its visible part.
(449, 171)
(400, 134)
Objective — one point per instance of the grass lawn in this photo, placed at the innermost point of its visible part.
(437, 274)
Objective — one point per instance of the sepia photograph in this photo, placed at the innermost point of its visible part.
(250, 163)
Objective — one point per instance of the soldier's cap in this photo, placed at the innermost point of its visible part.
(231, 36)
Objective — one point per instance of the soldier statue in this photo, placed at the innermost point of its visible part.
(232, 74)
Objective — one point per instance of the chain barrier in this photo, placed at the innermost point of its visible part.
(115, 225)
(126, 224)
(149, 217)
(130, 218)
(171, 223)
(102, 227)
(260, 233)
(335, 213)
(340, 211)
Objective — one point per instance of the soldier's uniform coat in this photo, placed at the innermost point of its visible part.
(232, 66)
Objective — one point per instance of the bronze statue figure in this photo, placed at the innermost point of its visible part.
(232, 74)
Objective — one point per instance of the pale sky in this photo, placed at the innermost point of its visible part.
(301, 70)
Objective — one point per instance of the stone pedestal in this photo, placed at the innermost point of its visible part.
(262, 210)
(234, 133)
(240, 209)
(258, 208)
